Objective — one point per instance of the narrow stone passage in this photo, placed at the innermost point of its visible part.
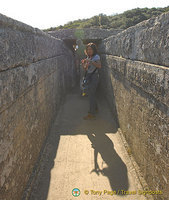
(88, 155)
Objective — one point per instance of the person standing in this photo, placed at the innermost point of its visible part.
(92, 63)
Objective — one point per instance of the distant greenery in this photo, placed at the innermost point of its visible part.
(117, 21)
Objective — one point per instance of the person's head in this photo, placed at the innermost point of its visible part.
(91, 49)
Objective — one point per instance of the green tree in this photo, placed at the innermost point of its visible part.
(117, 21)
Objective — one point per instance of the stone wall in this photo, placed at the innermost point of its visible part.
(138, 93)
(36, 70)
(148, 41)
(85, 33)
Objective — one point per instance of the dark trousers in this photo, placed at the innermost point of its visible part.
(93, 83)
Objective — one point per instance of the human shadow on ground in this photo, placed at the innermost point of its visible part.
(116, 170)
(70, 122)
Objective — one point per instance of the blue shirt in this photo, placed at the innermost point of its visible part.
(91, 68)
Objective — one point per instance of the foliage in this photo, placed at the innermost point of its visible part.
(117, 21)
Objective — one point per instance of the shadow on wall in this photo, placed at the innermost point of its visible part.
(106, 88)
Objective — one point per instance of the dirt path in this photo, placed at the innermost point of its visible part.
(88, 155)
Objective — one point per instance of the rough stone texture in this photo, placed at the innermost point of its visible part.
(36, 70)
(148, 41)
(21, 44)
(86, 33)
(138, 94)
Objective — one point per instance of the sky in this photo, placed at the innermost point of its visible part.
(44, 14)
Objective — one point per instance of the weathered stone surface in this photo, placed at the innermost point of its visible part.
(148, 41)
(138, 93)
(152, 79)
(86, 33)
(135, 70)
(21, 44)
(36, 70)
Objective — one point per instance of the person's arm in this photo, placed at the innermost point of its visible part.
(96, 63)
(85, 64)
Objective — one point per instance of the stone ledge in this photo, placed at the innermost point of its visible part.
(84, 34)
(153, 79)
(148, 41)
(21, 44)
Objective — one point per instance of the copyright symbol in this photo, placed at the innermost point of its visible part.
(86, 192)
